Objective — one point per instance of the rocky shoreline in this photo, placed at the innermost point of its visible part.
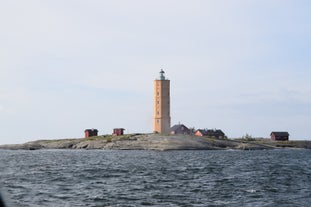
(156, 142)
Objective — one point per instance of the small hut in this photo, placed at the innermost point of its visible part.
(279, 136)
(118, 131)
(90, 133)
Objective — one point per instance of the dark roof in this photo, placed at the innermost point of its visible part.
(211, 132)
(280, 134)
(177, 126)
(88, 130)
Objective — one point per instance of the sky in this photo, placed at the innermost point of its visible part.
(242, 66)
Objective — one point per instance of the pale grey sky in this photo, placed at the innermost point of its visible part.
(242, 66)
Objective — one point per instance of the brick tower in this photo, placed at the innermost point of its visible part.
(161, 111)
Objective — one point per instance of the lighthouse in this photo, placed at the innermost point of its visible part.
(161, 112)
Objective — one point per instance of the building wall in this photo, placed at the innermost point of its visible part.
(118, 132)
(272, 137)
(161, 112)
(90, 133)
(198, 133)
(279, 138)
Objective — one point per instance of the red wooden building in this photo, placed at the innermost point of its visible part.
(215, 133)
(90, 133)
(118, 131)
(279, 136)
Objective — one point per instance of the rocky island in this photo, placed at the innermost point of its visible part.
(157, 142)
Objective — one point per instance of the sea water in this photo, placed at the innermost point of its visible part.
(156, 178)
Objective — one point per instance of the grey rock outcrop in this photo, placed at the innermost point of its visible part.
(155, 142)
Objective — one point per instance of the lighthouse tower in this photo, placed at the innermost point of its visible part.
(161, 112)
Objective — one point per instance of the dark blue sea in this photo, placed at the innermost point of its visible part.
(156, 178)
